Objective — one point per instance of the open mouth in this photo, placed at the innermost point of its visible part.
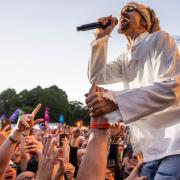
(9, 177)
(124, 22)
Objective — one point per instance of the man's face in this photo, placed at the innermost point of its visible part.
(109, 174)
(130, 20)
(10, 173)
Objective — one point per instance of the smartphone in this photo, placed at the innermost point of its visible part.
(5, 122)
(61, 139)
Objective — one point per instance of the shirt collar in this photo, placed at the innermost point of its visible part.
(139, 39)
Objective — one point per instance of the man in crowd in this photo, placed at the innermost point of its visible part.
(149, 70)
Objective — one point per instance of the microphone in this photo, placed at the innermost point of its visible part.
(94, 25)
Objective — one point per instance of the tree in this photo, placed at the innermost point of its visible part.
(9, 101)
(77, 112)
(55, 99)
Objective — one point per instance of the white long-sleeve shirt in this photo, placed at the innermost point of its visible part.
(150, 72)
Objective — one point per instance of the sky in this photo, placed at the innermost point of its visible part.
(39, 44)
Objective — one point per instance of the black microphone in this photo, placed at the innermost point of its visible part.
(94, 25)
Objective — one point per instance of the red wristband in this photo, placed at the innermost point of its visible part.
(99, 126)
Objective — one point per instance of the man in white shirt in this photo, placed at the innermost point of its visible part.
(150, 72)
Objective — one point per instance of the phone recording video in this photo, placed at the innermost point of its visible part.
(61, 139)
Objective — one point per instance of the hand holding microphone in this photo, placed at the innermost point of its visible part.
(104, 26)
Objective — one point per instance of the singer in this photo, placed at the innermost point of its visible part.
(150, 72)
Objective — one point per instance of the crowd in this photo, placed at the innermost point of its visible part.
(27, 152)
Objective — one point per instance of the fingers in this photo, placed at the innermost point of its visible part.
(24, 120)
(46, 144)
(105, 20)
(56, 155)
(90, 98)
(30, 142)
(61, 163)
(138, 167)
(97, 112)
(29, 138)
(36, 110)
(96, 97)
(6, 128)
(143, 178)
(92, 101)
(30, 147)
(93, 88)
(51, 148)
(40, 120)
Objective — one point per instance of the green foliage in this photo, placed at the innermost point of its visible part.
(8, 101)
(78, 112)
(54, 98)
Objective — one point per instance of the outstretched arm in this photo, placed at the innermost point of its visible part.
(94, 161)
(8, 146)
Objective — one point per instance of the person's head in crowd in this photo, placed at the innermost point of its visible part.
(109, 174)
(84, 144)
(80, 154)
(127, 166)
(110, 169)
(81, 139)
(10, 173)
(128, 152)
(120, 148)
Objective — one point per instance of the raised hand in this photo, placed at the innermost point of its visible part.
(33, 146)
(76, 132)
(106, 31)
(97, 103)
(135, 173)
(4, 133)
(59, 171)
(26, 121)
(10, 173)
(48, 160)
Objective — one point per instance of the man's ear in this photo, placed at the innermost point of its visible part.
(143, 23)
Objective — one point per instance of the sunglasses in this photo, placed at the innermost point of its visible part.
(129, 9)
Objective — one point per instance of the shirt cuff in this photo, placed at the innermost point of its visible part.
(96, 42)
(115, 116)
